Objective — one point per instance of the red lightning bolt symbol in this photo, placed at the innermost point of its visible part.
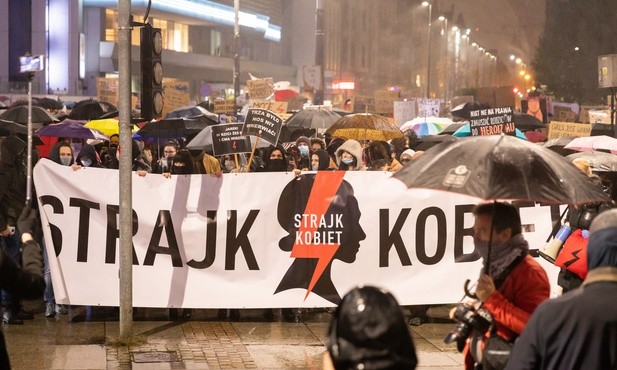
(324, 188)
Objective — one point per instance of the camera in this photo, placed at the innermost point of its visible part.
(469, 319)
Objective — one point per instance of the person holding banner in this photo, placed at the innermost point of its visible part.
(349, 156)
(320, 160)
(275, 160)
(166, 161)
(303, 144)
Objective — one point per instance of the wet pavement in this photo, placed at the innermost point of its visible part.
(201, 342)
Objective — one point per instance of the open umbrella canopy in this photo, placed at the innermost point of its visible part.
(47, 103)
(602, 142)
(524, 121)
(439, 122)
(557, 145)
(364, 126)
(19, 114)
(190, 112)
(598, 161)
(107, 126)
(501, 167)
(465, 131)
(91, 109)
(72, 129)
(430, 141)
(175, 127)
(451, 129)
(7, 128)
(462, 110)
(319, 119)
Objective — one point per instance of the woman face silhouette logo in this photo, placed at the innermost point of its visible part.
(322, 218)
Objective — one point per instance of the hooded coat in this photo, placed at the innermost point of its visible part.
(88, 151)
(579, 329)
(324, 159)
(12, 180)
(54, 153)
(352, 147)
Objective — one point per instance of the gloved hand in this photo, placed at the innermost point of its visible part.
(27, 221)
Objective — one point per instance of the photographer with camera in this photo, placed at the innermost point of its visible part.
(512, 284)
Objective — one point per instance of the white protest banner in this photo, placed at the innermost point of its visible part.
(255, 240)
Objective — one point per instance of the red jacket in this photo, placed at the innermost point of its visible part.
(511, 306)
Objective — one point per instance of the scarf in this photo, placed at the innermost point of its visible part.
(502, 254)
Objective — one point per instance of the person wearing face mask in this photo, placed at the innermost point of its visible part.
(276, 160)
(304, 148)
(88, 157)
(62, 153)
(349, 156)
(512, 286)
(182, 163)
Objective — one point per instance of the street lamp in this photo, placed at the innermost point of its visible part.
(428, 67)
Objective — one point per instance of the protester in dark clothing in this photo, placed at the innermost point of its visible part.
(368, 331)
(275, 160)
(320, 160)
(12, 200)
(88, 157)
(26, 281)
(164, 164)
(317, 143)
(303, 144)
(182, 163)
(579, 329)
(62, 153)
(138, 162)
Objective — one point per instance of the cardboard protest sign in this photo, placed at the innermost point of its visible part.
(260, 89)
(176, 95)
(492, 121)
(107, 90)
(558, 129)
(384, 101)
(404, 111)
(563, 114)
(600, 116)
(363, 104)
(227, 138)
(224, 106)
(263, 124)
(278, 107)
(312, 78)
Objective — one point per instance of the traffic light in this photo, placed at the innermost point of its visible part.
(151, 72)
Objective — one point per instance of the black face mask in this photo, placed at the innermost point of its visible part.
(180, 170)
(277, 165)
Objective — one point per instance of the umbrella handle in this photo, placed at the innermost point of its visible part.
(467, 292)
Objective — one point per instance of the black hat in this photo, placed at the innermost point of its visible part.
(369, 328)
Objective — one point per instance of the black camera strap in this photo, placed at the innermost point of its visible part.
(504, 274)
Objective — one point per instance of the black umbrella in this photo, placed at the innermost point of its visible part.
(19, 115)
(598, 161)
(319, 119)
(451, 128)
(90, 109)
(462, 110)
(524, 121)
(599, 129)
(47, 103)
(557, 145)
(430, 141)
(501, 167)
(190, 112)
(7, 128)
(175, 127)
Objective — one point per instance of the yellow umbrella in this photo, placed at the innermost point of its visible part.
(108, 126)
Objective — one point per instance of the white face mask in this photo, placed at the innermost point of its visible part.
(86, 162)
(347, 160)
(65, 161)
(316, 167)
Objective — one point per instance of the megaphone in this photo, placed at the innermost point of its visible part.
(551, 250)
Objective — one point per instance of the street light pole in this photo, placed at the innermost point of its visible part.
(445, 58)
(428, 67)
(236, 49)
